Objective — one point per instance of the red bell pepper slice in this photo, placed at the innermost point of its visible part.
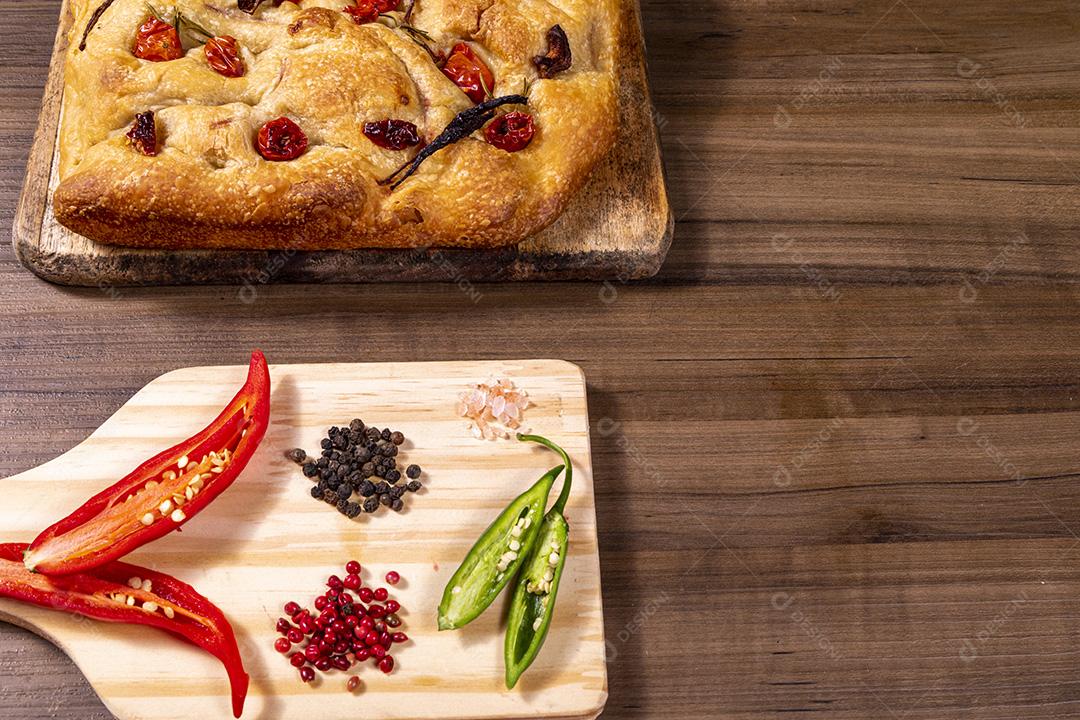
(160, 601)
(162, 493)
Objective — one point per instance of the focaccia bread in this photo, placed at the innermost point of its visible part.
(203, 145)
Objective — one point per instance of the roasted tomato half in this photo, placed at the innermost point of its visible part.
(157, 41)
(281, 139)
(511, 132)
(223, 55)
(392, 134)
(364, 11)
(466, 70)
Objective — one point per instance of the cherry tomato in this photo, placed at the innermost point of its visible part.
(510, 132)
(281, 139)
(157, 41)
(223, 55)
(466, 70)
(364, 11)
(392, 134)
(143, 133)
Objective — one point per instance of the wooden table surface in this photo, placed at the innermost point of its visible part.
(837, 439)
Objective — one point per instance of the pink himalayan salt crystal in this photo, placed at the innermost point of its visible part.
(494, 407)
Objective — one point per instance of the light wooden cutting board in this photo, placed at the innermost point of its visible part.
(618, 226)
(266, 541)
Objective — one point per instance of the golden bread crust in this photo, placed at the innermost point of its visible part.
(208, 187)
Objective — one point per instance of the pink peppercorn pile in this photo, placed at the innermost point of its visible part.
(343, 630)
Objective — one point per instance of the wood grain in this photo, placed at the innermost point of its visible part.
(618, 226)
(897, 537)
(266, 542)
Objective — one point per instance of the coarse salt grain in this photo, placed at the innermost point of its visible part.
(494, 408)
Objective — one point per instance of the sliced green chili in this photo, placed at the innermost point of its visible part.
(493, 560)
(560, 503)
(533, 604)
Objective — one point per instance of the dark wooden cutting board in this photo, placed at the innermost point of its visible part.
(618, 226)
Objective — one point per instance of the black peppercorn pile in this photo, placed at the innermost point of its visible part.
(359, 460)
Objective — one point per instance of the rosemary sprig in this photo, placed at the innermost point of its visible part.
(464, 124)
(485, 88)
(160, 17)
(98, 12)
(184, 22)
(418, 36)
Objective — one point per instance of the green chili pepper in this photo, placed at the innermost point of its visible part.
(533, 604)
(492, 562)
